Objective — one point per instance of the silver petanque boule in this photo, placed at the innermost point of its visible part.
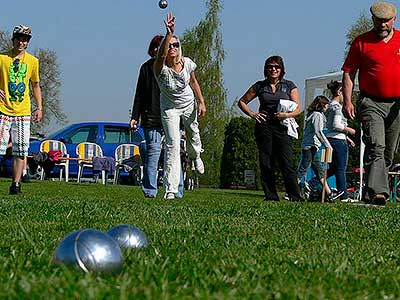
(89, 250)
(128, 236)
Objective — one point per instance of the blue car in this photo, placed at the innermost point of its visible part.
(106, 134)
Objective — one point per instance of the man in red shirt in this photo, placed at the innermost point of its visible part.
(376, 55)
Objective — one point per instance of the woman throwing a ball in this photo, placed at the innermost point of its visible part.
(180, 98)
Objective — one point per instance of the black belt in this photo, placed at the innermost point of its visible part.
(379, 99)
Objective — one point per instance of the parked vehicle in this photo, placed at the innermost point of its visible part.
(106, 134)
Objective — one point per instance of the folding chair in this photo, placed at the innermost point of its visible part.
(86, 151)
(127, 156)
(54, 145)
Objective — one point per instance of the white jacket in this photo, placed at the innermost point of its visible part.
(290, 123)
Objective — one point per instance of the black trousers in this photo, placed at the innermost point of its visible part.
(275, 149)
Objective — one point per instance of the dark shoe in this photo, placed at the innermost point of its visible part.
(306, 187)
(149, 196)
(15, 189)
(296, 199)
(379, 199)
(329, 199)
(25, 178)
(336, 195)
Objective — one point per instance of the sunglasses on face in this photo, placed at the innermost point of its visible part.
(173, 45)
(15, 65)
(270, 67)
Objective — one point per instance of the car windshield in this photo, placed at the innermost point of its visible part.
(54, 134)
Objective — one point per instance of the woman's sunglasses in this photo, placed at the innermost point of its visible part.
(173, 45)
(270, 67)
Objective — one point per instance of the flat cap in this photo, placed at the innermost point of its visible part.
(383, 10)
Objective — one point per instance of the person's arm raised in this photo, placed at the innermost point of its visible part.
(163, 49)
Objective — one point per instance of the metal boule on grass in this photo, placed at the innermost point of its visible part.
(90, 250)
(128, 236)
(163, 4)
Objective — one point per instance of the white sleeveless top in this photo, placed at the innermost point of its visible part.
(174, 87)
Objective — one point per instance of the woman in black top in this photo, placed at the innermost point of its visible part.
(274, 144)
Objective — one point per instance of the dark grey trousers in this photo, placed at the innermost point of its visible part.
(381, 129)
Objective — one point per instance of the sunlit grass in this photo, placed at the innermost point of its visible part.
(214, 244)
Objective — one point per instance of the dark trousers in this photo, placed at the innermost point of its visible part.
(381, 129)
(275, 148)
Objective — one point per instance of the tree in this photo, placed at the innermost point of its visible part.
(50, 84)
(239, 152)
(203, 44)
(363, 24)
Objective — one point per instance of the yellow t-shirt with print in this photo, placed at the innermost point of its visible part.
(15, 76)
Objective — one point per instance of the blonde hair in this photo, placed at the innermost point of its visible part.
(179, 57)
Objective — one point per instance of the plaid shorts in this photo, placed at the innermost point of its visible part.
(15, 130)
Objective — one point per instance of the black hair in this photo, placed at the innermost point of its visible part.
(334, 86)
(18, 35)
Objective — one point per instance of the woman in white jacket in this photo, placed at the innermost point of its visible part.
(337, 136)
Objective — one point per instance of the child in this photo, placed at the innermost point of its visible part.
(313, 138)
(337, 137)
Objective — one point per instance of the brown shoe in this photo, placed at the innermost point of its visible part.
(379, 199)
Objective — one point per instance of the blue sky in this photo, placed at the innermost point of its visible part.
(101, 44)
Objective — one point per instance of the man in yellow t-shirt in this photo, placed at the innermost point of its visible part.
(18, 71)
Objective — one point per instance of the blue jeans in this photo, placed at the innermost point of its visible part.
(338, 165)
(150, 153)
(309, 157)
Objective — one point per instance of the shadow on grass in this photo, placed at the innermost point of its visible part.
(247, 193)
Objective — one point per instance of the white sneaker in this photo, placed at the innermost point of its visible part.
(199, 165)
(350, 200)
(169, 196)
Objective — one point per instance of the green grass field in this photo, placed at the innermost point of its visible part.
(214, 244)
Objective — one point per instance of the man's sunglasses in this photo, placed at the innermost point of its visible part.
(15, 65)
(270, 67)
(173, 45)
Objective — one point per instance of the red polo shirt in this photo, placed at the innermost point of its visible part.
(378, 64)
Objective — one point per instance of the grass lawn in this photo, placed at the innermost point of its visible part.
(214, 244)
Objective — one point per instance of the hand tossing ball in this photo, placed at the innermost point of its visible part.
(163, 4)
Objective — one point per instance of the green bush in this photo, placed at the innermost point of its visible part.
(239, 153)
